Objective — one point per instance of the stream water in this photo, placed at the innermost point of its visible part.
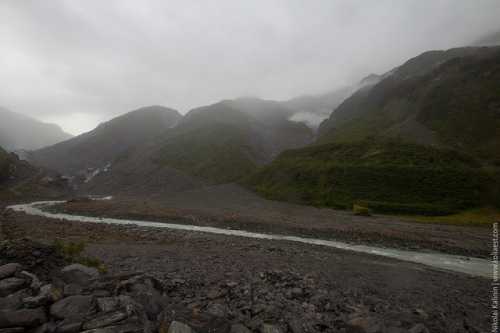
(467, 265)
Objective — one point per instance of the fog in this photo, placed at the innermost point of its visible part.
(77, 63)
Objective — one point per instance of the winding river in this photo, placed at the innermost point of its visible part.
(468, 265)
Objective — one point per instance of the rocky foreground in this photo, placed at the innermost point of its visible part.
(40, 293)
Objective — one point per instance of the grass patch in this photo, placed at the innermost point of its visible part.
(72, 252)
(484, 217)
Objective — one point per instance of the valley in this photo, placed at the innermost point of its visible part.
(368, 208)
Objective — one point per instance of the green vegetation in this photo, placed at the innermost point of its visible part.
(72, 252)
(4, 164)
(456, 105)
(219, 153)
(484, 216)
(361, 210)
(386, 176)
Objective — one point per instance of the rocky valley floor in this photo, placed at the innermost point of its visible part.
(215, 283)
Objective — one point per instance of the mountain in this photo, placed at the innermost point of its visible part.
(18, 132)
(156, 150)
(313, 109)
(424, 139)
(19, 179)
(101, 146)
(440, 98)
(491, 39)
(227, 140)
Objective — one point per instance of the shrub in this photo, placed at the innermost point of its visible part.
(361, 210)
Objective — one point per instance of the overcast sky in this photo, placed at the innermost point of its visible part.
(79, 62)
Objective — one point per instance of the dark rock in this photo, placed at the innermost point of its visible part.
(267, 328)
(34, 281)
(13, 301)
(131, 325)
(79, 274)
(22, 318)
(418, 328)
(217, 309)
(12, 330)
(104, 320)
(11, 285)
(72, 289)
(69, 326)
(366, 323)
(9, 270)
(107, 304)
(73, 307)
(239, 328)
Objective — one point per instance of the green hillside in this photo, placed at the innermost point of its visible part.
(441, 98)
(385, 175)
(4, 164)
(226, 141)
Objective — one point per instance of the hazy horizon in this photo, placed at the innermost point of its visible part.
(77, 64)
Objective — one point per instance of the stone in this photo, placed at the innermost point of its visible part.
(13, 301)
(73, 307)
(9, 270)
(12, 330)
(72, 289)
(35, 282)
(178, 327)
(131, 327)
(267, 328)
(217, 309)
(107, 304)
(69, 326)
(239, 328)
(79, 274)
(22, 318)
(104, 320)
(419, 328)
(11, 285)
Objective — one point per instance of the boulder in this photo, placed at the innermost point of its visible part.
(178, 327)
(107, 304)
(13, 301)
(46, 295)
(22, 318)
(34, 281)
(73, 307)
(9, 270)
(239, 328)
(72, 289)
(11, 285)
(131, 325)
(69, 326)
(79, 274)
(12, 330)
(267, 328)
(419, 328)
(104, 320)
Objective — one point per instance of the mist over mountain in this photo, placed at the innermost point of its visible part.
(20, 132)
(109, 140)
(444, 98)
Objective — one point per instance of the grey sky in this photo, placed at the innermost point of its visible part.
(77, 63)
